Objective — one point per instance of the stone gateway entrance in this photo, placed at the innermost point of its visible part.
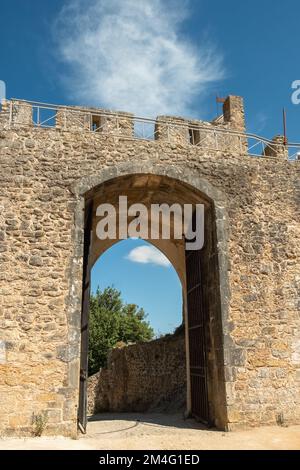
(247, 275)
(198, 272)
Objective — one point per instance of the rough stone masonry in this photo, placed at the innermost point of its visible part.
(143, 377)
(46, 171)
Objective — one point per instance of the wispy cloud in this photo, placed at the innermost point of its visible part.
(148, 255)
(130, 55)
(260, 121)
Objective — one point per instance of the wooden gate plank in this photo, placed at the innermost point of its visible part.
(197, 342)
(82, 408)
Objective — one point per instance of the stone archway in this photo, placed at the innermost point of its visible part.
(141, 376)
(184, 185)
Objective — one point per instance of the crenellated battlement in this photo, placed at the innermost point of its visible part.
(226, 133)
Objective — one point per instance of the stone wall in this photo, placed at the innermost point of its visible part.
(43, 175)
(142, 377)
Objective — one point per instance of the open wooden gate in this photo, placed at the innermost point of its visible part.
(197, 316)
(82, 408)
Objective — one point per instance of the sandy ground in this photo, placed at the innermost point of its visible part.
(163, 432)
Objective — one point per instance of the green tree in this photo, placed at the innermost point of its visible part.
(112, 321)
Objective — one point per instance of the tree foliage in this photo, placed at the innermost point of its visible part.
(113, 321)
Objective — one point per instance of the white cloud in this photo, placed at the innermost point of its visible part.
(130, 55)
(261, 121)
(148, 255)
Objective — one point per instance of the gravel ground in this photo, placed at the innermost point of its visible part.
(163, 432)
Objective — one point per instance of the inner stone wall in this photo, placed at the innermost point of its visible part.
(142, 377)
(44, 174)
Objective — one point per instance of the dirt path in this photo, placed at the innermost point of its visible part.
(163, 432)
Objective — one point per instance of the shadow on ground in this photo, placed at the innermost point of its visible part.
(117, 421)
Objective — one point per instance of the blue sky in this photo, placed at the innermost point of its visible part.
(155, 287)
(257, 42)
(153, 57)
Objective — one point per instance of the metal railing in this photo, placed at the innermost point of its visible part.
(209, 136)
